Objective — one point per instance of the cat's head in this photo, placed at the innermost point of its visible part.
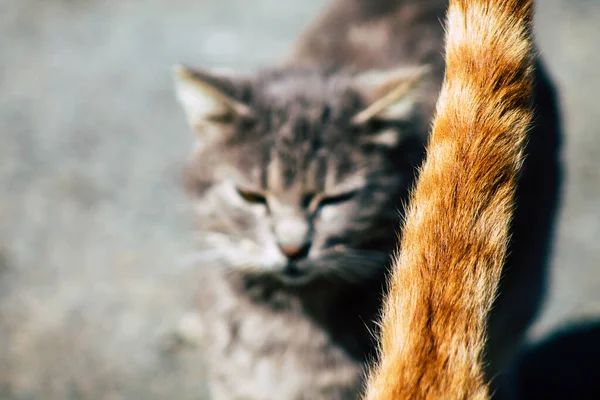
(301, 174)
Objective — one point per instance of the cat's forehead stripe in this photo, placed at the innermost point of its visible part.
(273, 181)
(299, 165)
(315, 174)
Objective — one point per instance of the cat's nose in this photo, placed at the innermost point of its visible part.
(295, 252)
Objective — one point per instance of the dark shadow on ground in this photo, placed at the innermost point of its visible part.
(566, 365)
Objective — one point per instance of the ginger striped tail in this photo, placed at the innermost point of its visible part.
(456, 230)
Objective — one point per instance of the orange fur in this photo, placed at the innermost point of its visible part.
(456, 230)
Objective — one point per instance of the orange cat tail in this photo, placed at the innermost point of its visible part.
(456, 230)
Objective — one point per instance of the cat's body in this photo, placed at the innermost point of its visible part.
(456, 232)
(275, 346)
(298, 178)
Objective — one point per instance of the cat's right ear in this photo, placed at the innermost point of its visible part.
(208, 98)
(389, 94)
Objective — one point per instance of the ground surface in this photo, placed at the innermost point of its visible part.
(93, 235)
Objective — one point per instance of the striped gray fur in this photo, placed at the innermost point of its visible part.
(299, 177)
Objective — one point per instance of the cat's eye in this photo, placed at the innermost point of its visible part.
(252, 197)
(337, 199)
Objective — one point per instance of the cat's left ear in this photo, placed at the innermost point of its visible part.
(209, 97)
(390, 94)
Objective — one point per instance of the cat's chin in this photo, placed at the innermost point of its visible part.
(292, 275)
(288, 275)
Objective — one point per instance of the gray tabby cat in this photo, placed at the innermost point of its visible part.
(298, 177)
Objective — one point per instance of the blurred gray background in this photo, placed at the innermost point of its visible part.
(95, 243)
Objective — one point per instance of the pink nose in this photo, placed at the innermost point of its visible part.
(295, 251)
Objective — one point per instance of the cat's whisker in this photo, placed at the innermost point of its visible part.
(352, 265)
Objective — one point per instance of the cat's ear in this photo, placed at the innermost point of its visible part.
(208, 97)
(389, 95)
